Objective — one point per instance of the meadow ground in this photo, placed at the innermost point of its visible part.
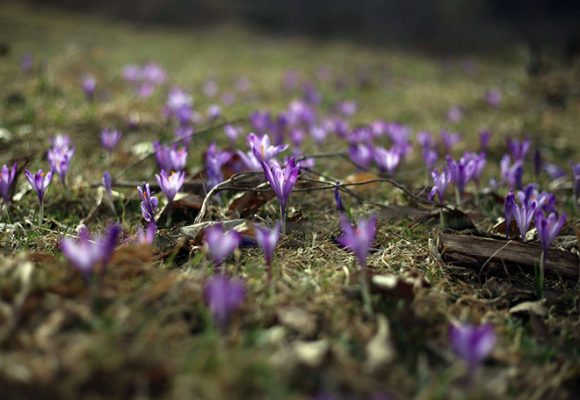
(145, 331)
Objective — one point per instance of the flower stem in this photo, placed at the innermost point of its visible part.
(283, 219)
(540, 276)
(8, 214)
(41, 213)
(366, 294)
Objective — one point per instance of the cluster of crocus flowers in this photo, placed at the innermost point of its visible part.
(60, 155)
(170, 158)
(267, 240)
(144, 78)
(179, 105)
(171, 183)
(220, 244)
(39, 182)
(472, 343)
(359, 240)
(149, 203)
(85, 253)
(282, 181)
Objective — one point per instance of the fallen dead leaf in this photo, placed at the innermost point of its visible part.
(379, 349)
(297, 319)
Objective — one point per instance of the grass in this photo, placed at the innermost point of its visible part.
(148, 333)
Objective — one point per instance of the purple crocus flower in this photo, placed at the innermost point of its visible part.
(387, 160)
(179, 105)
(84, 253)
(224, 296)
(267, 239)
(576, 176)
(449, 139)
(250, 161)
(149, 203)
(425, 139)
(518, 148)
(108, 183)
(178, 158)
(440, 182)
(484, 139)
(523, 213)
(261, 121)
(262, 147)
(360, 238)
(59, 160)
(39, 183)
(399, 135)
(338, 198)
(347, 108)
(154, 74)
(430, 158)
(170, 184)
(110, 139)
(493, 97)
(214, 160)
(282, 181)
(214, 112)
(472, 343)
(548, 227)
(7, 176)
(512, 174)
(163, 156)
(461, 172)
(318, 133)
(508, 210)
(220, 244)
(231, 132)
(89, 84)
(360, 154)
(554, 171)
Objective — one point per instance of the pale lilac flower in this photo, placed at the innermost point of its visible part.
(231, 132)
(178, 157)
(214, 112)
(163, 156)
(59, 160)
(170, 184)
(291, 79)
(297, 136)
(554, 171)
(224, 296)
(184, 134)
(455, 114)
(149, 203)
(220, 244)
(154, 74)
(261, 121)
(147, 235)
(26, 63)
(110, 139)
(7, 176)
(228, 98)
(430, 158)
(132, 73)
(61, 141)
(300, 112)
(425, 139)
(493, 97)
(440, 182)
(243, 84)
(518, 148)
(84, 253)
(484, 138)
(512, 174)
(523, 213)
(387, 160)
(250, 161)
(347, 108)
(267, 239)
(282, 181)
(210, 88)
(262, 147)
(360, 238)
(450, 139)
(89, 84)
(399, 135)
(472, 343)
(318, 133)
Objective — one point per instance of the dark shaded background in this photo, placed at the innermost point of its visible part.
(450, 25)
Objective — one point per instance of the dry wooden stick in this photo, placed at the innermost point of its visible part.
(476, 251)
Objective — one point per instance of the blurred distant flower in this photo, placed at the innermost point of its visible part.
(267, 240)
(149, 203)
(26, 63)
(109, 139)
(297, 137)
(461, 172)
(170, 184)
(89, 84)
(440, 182)
(338, 198)
(318, 133)
(224, 296)
(170, 158)
(360, 154)
(261, 121)
(108, 183)
(179, 105)
(214, 161)
(425, 139)
(512, 174)
(300, 112)
(347, 108)
(231, 132)
(243, 84)
(399, 135)
(472, 343)
(7, 176)
(153, 73)
(360, 238)
(184, 134)
(554, 171)
(262, 147)
(210, 88)
(250, 161)
(484, 138)
(39, 182)
(214, 112)
(430, 158)
(60, 155)
(228, 98)
(84, 253)
(493, 97)
(576, 176)
(508, 210)
(147, 235)
(450, 140)
(455, 114)
(60, 141)
(387, 160)
(477, 163)
(282, 181)
(144, 78)
(518, 149)
(311, 95)
(220, 244)
(291, 79)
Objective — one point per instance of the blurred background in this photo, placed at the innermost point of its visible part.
(436, 25)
